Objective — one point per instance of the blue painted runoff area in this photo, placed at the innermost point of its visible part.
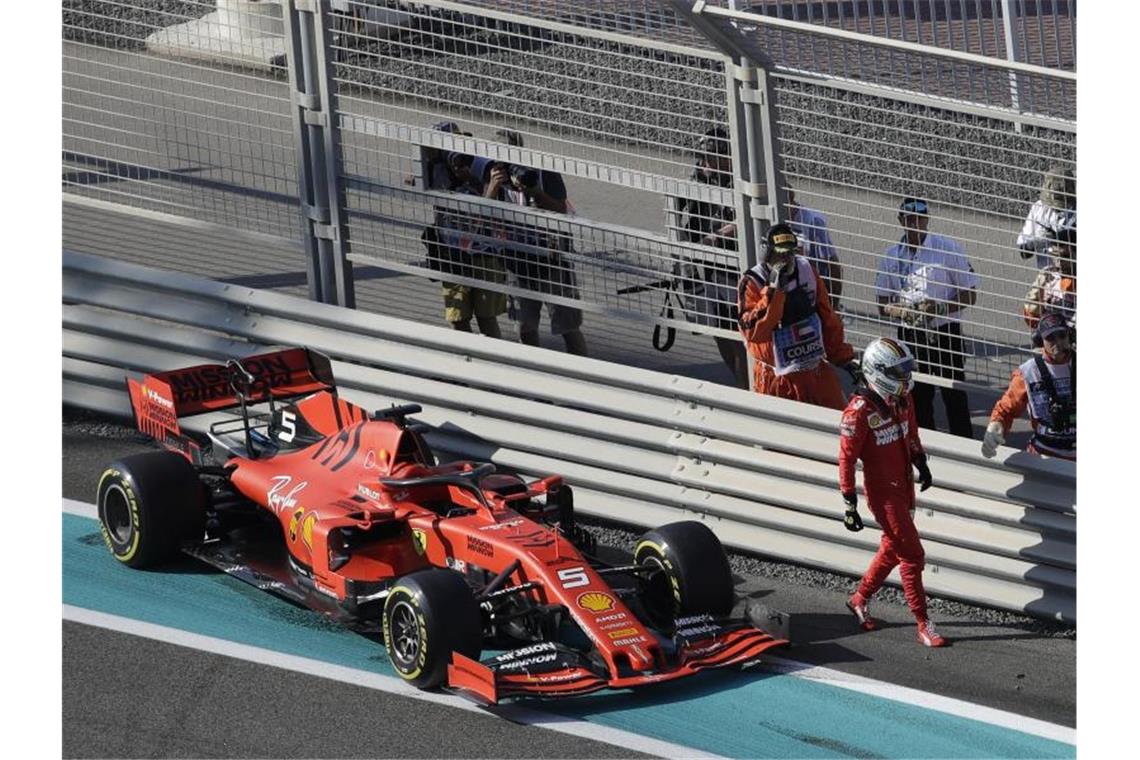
(734, 714)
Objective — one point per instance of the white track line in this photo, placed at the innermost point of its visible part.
(369, 680)
(947, 705)
(841, 680)
(81, 508)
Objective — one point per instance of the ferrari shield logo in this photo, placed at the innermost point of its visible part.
(419, 540)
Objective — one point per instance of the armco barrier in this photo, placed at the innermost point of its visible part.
(640, 447)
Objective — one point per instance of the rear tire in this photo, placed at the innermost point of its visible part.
(428, 615)
(695, 576)
(148, 505)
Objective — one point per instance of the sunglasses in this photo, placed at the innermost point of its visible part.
(914, 207)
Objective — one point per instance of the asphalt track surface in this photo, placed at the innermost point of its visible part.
(129, 696)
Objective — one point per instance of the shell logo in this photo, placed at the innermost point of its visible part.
(595, 601)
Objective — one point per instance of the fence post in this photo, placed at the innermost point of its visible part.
(1013, 54)
(755, 142)
(755, 137)
(322, 198)
(343, 284)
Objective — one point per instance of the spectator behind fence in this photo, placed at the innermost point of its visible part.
(925, 281)
(815, 239)
(1046, 385)
(1055, 210)
(709, 287)
(1054, 290)
(540, 267)
(458, 243)
(789, 326)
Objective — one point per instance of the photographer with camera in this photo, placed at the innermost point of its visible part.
(457, 244)
(548, 272)
(709, 286)
(1046, 385)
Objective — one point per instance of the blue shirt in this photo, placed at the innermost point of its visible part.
(811, 227)
(937, 270)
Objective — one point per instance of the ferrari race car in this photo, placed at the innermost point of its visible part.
(347, 512)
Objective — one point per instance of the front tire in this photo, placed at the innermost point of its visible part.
(148, 505)
(695, 577)
(428, 615)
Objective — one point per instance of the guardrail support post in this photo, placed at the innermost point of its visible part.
(318, 150)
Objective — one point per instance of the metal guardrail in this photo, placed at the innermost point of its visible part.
(640, 447)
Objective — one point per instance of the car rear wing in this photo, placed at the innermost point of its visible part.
(161, 399)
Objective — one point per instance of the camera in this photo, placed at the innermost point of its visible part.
(1061, 414)
(523, 175)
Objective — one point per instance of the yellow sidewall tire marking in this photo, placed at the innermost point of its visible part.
(410, 597)
(665, 563)
(132, 504)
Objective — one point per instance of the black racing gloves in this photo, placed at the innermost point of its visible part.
(924, 479)
(851, 519)
(854, 369)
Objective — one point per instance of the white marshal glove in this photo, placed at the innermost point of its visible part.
(995, 436)
(780, 272)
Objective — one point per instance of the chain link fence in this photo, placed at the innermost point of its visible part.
(204, 137)
(610, 133)
(433, 100)
(855, 152)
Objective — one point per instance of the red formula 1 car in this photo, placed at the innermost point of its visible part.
(347, 512)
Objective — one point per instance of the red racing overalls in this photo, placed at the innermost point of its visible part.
(886, 439)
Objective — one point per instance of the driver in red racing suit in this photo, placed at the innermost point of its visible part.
(879, 427)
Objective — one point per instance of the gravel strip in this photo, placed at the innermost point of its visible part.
(124, 24)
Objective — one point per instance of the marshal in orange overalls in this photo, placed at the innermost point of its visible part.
(792, 333)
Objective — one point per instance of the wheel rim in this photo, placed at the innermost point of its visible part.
(660, 588)
(117, 514)
(405, 634)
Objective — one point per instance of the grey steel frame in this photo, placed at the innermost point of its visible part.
(318, 163)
